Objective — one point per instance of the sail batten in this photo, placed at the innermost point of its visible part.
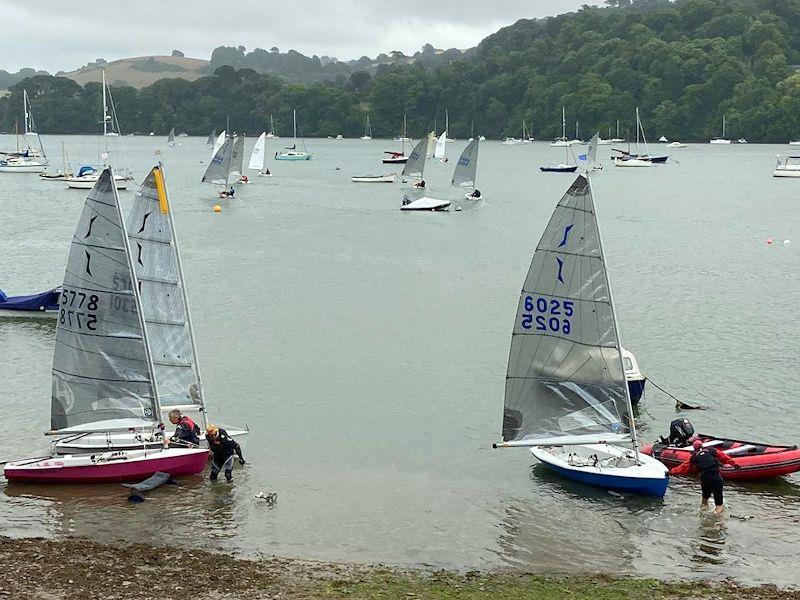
(565, 375)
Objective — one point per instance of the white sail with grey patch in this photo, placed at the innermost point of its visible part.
(102, 371)
(164, 304)
(257, 156)
(237, 155)
(467, 166)
(565, 381)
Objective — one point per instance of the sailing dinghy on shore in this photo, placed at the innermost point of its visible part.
(566, 396)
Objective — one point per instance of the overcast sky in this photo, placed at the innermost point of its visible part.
(63, 35)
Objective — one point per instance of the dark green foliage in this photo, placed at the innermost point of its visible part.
(684, 63)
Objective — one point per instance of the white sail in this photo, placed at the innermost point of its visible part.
(30, 126)
(257, 156)
(441, 146)
(162, 293)
(467, 166)
(565, 374)
(415, 165)
(102, 371)
(218, 144)
(171, 136)
(211, 137)
(237, 155)
(219, 169)
(430, 144)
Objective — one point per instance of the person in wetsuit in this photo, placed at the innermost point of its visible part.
(706, 462)
(187, 433)
(224, 450)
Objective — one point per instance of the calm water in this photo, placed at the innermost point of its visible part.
(366, 349)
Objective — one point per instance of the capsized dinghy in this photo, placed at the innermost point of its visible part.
(44, 304)
(566, 393)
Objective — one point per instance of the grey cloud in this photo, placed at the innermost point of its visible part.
(64, 35)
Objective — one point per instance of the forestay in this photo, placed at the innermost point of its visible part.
(415, 165)
(101, 367)
(257, 156)
(163, 296)
(467, 165)
(565, 377)
(220, 166)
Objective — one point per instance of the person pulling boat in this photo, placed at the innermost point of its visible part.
(187, 433)
(706, 461)
(224, 450)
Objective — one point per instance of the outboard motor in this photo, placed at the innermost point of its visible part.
(680, 431)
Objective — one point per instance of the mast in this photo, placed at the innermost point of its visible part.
(294, 126)
(564, 134)
(161, 188)
(105, 108)
(25, 108)
(634, 439)
(617, 128)
(637, 131)
(404, 134)
(723, 125)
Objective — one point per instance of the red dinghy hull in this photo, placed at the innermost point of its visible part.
(756, 461)
(110, 467)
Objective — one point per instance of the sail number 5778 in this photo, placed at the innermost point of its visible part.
(548, 314)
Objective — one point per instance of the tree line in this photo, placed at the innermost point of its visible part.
(684, 63)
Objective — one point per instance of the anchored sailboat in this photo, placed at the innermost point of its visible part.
(292, 152)
(566, 166)
(87, 177)
(566, 395)
(272, 135)
(723, 139)
(367, 131)
(25, 160)
(639, 159)
(398, 157)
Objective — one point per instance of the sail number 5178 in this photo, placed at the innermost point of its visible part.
(548, 314)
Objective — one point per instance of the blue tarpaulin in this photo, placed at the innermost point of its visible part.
(35, 302)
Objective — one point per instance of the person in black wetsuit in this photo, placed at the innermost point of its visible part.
(706, 462)
(224, 449)
(187, 433)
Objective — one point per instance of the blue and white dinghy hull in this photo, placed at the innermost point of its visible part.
(606, 466)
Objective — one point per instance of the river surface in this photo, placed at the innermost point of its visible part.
(366, 350)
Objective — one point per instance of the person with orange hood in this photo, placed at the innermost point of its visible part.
(224, 449)
(706, 462)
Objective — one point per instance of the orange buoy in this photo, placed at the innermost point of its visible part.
(217, 208)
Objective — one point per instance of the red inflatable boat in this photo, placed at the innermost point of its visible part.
(756, 461)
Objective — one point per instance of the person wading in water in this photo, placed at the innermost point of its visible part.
(706, 462)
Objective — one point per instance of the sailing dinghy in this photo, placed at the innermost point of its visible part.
(218, 171)
(566, 396)
(171, 138)
(257, 156)
(415, 167)
(466, 169)
(104, 373)
(564, 167)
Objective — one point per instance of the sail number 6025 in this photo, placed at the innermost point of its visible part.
(548, 314)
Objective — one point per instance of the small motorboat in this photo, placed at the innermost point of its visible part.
(44, 305)
(88, 176)
(394, 158)
(107, 467)
(787, 167)
(633, 376)
(755, 460)
(559, 168)
(794, 143)
(425, 203)
(390, 178)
